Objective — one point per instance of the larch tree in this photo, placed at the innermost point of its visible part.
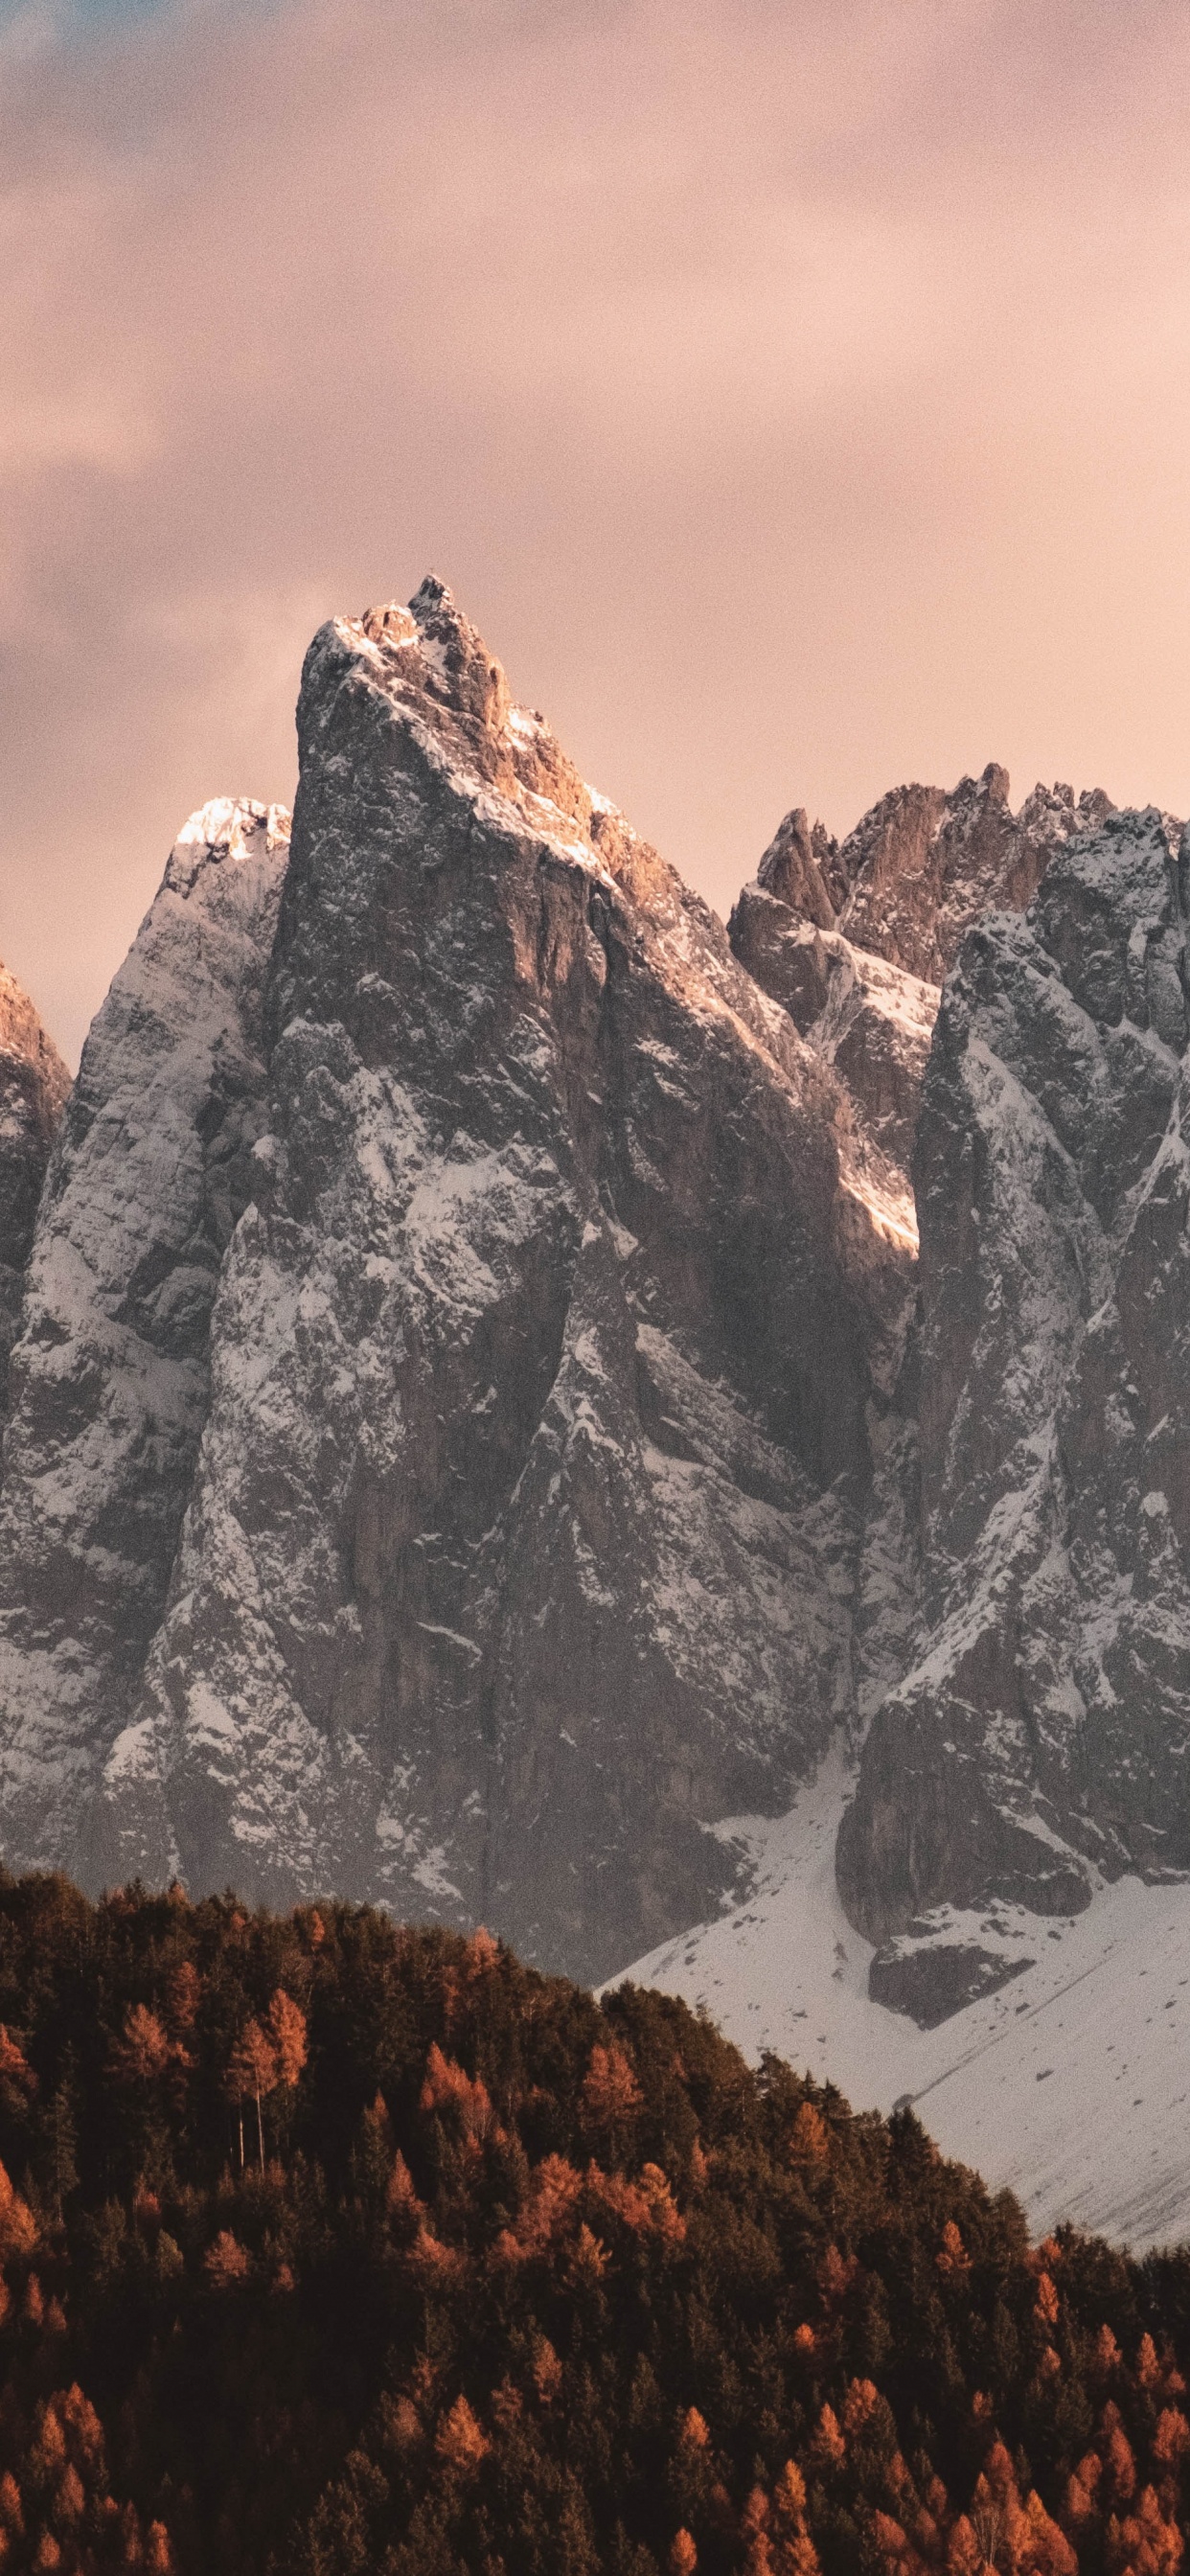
(251, 2074)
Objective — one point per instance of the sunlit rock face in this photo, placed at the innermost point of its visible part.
(34, 1084)
(479, 1427)
(926, 863)
(869, 1020)
(853, 937)
(460, 1334)
(1041, 1737)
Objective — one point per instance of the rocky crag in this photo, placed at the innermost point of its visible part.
(34, 1084)
(924, 864)
(1039, 1742)
(478, 1426)
(439, 1460)
(109, 1381)
(854, 937)
(1038, 1739)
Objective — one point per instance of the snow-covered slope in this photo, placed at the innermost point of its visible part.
(1070, 2085)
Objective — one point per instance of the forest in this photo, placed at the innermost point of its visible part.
(331, 2247)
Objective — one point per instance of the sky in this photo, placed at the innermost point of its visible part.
(794, 392)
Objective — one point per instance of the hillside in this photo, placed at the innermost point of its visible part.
(332, 2247)
(1068, 2083)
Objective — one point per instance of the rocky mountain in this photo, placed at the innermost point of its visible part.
(1011, 1845)
(110, 1379)
(924, 864)
(1036, 1742)
(853, 938)
(34, 1084)
(438, 1461)
(481, 1431)
(1038, 1745)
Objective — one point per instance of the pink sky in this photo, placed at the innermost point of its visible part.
(796, 393)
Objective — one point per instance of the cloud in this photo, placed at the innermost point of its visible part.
(792, 390)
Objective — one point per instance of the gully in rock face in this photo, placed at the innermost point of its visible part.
(479, 1423)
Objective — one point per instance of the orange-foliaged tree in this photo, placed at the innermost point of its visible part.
(328, 2246)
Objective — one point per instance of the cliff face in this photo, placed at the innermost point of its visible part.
(1039, 1742)
(1036, 1739)
(109, 1378)
(922, 867)
(470, 1440)
(854, 937)
(551, 1332)
(924, 864)
(34, 1084)
(869, 1020)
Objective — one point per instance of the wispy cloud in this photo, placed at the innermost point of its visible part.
(794, 389)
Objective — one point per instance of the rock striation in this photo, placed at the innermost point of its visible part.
(869, 1020)
(109, 1379)
(854, 937)
(456, 1346)
(1039, 1743)
(480, 1427)
(34, 1084)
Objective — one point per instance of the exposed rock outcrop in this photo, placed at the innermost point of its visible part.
(1041, 1739)
(922, 866)
(542, 1382)
(871, 1021)
(853, 938)
(467, 1441)
(109, 1377)
(34, 1084)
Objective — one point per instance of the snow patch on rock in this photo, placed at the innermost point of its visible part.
(108, 1380)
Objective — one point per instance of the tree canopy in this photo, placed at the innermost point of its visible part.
(330, 2247)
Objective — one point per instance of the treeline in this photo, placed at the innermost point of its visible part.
(331, 2248)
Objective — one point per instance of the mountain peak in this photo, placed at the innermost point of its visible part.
(456, 666)
(227, 829)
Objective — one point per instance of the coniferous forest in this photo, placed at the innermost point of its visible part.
(331, 2247)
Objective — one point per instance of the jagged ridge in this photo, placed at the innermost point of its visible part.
(525, 1533)
(463, 1441)
(1039, 1743)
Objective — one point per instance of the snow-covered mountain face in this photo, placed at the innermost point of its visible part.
(1039, 1743)
(1005, 1846)
(1036, 1743)
(109, 1381)
(439, 1463)
(477, 1426)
